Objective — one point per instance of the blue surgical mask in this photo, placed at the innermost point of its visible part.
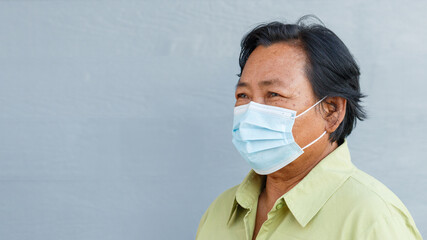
(263, 136)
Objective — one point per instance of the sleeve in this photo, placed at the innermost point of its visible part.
(393, 228)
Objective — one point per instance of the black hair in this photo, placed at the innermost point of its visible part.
(330, 68)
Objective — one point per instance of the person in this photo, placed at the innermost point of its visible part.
(297, 99)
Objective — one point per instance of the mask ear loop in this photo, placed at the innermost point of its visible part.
(314, 141)
(308, 109)
(323, 134)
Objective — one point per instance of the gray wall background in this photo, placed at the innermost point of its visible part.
(115, 116)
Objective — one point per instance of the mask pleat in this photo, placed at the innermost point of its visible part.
(259, 133)
(261, 145)
(256, 119)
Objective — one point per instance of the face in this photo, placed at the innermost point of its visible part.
(275, 75)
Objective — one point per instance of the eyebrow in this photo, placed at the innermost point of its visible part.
(268, 82)
(241, 84)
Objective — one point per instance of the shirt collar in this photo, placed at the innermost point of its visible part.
(308, 196)
(247, 193)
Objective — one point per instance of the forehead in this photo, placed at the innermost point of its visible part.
(282, 62)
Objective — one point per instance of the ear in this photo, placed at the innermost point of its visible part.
(333, 112)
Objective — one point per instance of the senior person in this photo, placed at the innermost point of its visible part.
(297, 100)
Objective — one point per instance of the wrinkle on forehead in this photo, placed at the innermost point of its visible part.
(282, 61)
(278, 54)
(264, 83)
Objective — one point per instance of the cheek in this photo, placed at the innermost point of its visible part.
(279, 102)
(242, 101)
(307, 128)
(298, 132)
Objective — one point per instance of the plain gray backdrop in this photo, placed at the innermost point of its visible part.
(115, 116)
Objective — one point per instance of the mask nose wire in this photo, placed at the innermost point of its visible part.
(308, 109)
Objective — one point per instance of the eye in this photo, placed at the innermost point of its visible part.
(242, 95)
(273, 94)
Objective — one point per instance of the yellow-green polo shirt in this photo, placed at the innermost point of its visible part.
(334, 201)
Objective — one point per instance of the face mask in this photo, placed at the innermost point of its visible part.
(263, 136)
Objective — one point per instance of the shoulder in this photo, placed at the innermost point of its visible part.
(374, 195)
(376, 190)
(369, 201)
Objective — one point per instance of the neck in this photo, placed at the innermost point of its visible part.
(283, 180)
